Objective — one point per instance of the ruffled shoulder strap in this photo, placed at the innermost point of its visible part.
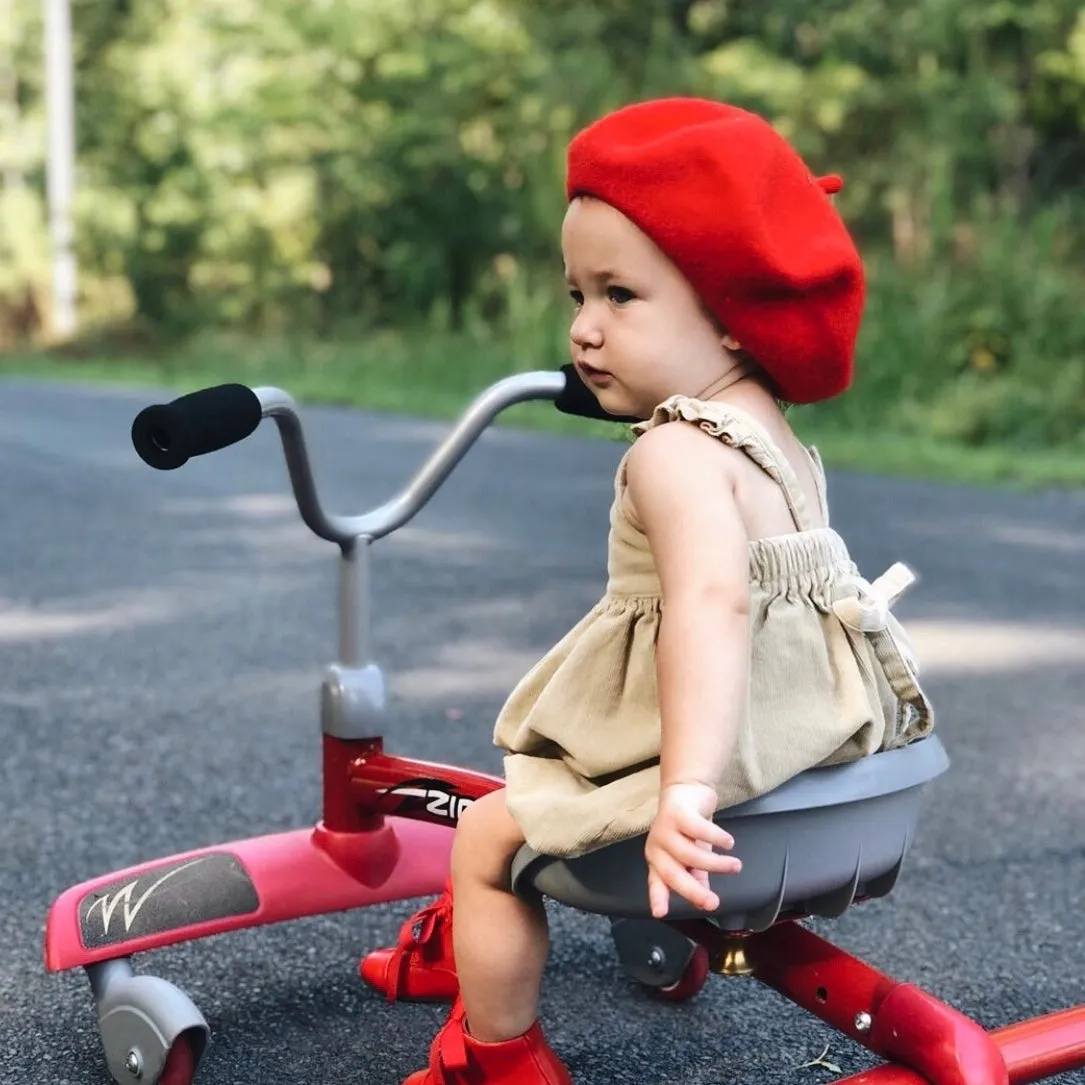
(743, 432)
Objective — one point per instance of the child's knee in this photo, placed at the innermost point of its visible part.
(486, 839)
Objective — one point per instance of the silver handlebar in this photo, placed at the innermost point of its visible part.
(393, 514)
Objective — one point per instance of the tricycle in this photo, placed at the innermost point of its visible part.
(825, 840)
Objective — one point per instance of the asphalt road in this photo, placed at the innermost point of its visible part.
(162, 637)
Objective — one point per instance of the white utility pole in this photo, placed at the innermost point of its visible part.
(10, 174)
(60, 108)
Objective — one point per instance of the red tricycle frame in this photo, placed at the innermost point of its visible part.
(386, 834)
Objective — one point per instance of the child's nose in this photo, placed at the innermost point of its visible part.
(585, 331)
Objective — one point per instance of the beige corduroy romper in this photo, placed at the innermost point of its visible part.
(832, 676)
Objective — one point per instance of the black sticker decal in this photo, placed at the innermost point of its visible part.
(165, 898)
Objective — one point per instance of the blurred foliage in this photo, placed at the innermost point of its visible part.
(287, 168)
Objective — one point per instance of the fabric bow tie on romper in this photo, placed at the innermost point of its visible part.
(868, 612)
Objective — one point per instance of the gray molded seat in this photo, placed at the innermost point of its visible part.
(811, 846)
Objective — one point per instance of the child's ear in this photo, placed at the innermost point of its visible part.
(731, 343)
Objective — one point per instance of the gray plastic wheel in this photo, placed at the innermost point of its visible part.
(140, 1019)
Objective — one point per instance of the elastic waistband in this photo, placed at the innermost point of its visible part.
(805, 556)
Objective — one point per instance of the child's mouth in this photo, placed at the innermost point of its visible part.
(590, 373)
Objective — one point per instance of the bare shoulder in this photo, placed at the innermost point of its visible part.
(681, 482)
(680, 456)
(677, 472)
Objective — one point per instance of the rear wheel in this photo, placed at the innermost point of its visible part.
(690, 982)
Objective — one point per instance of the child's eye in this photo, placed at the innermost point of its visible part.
(619, 295)
(577, 297)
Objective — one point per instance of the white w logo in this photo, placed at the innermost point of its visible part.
(124, 894)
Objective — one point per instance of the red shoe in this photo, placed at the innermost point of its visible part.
(457, 1058)
(420, 968)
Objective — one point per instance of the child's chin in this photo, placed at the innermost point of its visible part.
(616, 405)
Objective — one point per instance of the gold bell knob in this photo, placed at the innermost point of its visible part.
(733, 960)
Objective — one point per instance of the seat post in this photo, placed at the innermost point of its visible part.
(353, 695)
(355, 618)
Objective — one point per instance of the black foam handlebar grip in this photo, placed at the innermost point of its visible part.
(167, 435)
(576, 398)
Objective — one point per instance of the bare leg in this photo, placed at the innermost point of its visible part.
(500, 941)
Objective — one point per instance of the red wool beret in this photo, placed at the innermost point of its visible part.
(739, 213)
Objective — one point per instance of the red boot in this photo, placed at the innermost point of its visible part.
(420, 968)
(457, 1058)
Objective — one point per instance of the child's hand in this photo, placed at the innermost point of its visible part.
(679, 848)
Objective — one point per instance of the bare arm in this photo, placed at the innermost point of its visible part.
(684, 498)
(683, 495)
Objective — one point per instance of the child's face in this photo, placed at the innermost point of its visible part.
(640, 333)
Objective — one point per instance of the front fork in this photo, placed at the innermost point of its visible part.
(363, 784)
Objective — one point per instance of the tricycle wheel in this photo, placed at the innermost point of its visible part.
(690, 982)
(151, 1032)
(181, 1062)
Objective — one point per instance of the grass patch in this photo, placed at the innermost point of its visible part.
(946, 461)
(437, 376)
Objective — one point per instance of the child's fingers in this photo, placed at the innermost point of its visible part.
(715, 863)
(659, 897)
(681, 881)
(702, 828)
(697, 856)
